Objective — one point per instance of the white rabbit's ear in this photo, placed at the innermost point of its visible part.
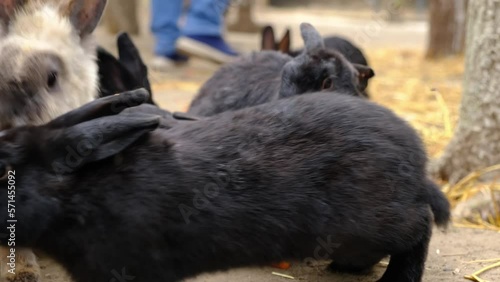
(312, 38)
(8, 9)
(84, 14)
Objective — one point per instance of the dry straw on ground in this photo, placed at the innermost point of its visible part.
(427, 94)
(475, 275)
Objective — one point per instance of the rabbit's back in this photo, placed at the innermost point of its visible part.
(252, 80)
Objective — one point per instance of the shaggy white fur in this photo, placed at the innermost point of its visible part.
(42, 28)
(44, 31)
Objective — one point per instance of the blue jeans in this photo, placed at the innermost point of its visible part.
(205, 17)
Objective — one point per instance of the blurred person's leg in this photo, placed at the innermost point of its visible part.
(165, 15)
(203, 31)
(421, 5)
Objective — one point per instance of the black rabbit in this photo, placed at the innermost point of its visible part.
(350, 51)
(319, 176)
(267, 76)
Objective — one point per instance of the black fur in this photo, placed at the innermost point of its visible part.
(350, 51)
(126, 73)
(110, 105)
(251, 80)
(269, 75)
(307, 178)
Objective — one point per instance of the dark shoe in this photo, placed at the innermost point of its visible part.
(213, 48)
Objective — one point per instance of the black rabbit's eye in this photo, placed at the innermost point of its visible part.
(4, 170)
(327, 84)
(357, 80)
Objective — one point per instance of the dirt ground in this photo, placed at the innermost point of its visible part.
(449, 252)
(448, 260)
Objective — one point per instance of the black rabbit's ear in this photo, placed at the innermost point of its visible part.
(98, 139)
(284, 45)
(328, 84)
(114, 77)
(364, 72)
(185, 116)
(289, 74)
(148, 109)
(268, 42)
(130, 58)
(312, 38)
(111, 105)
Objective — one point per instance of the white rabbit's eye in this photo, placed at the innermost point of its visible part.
(52, 79)
(327, 84)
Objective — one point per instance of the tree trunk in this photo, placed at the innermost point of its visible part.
(121, 15)
(446, 27)
(476, 143)
(245, 22)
